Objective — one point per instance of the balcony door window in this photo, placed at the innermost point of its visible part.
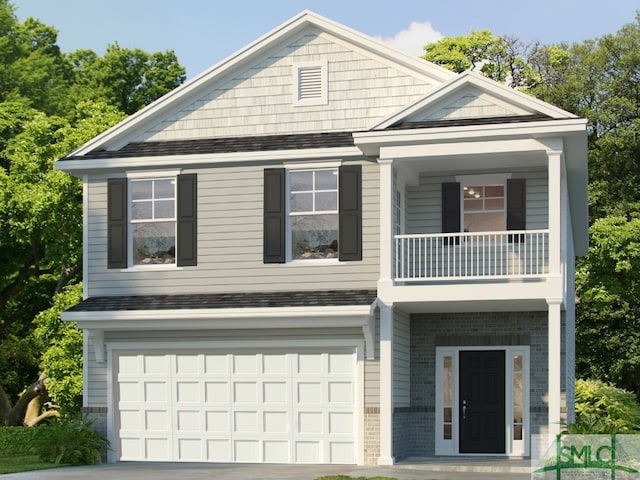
(484, 208)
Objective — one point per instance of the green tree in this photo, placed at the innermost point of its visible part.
(41, 234)
(61, 344)
(502, 58)
(607, 320)
(51, 103)
(128, 79)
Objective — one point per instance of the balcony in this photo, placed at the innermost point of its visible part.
(513, 254)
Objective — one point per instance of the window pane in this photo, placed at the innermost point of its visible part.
(141, 211)
(494, 204)
(314, 236)
(472, 192)
(301, 202)
(326, 201)
(473, 205)
(300, 181)
(154, 243)
(484, 222)
(447, 414)
(447, 431)
(517, 397)
(494, 191)
(517, 363)
(164, 209)
(517, 414)
(164, 188)
(517, 432)
(141, 189)
(326, 180)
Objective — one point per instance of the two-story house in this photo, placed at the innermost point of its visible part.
(322, 250)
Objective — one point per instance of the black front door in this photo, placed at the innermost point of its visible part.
(482, 403)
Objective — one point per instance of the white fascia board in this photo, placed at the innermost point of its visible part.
(506, 94)
(227, 318)
(80, 166)
(370, 142)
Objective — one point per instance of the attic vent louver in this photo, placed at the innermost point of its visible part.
(311, 84)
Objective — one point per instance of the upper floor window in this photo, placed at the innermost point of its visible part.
(313, 213)
(153, 221)
(483, 207)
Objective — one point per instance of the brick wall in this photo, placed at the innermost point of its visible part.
(414, 434)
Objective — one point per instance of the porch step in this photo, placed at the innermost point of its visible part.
(467, 464)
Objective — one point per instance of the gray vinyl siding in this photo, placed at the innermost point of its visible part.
(258, 99)
(230, 250)
(401, 359)
(424, 201)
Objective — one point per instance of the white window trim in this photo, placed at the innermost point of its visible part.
(148, 175)
(512, 447)
(323, 98)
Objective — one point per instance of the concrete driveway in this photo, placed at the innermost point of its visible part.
(201, 471)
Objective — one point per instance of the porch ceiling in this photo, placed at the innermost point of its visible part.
(473, 163)
(528, 305)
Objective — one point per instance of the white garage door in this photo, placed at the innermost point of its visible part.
(271, 406)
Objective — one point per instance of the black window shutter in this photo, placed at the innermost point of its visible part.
(516, 207)
(451, 210)
(117, 223)
(187, 220)
(350, 213)
(274, 215)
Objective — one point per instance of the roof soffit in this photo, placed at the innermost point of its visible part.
(174, 101)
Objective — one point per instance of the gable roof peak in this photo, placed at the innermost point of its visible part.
(509, 100)
(117, 136)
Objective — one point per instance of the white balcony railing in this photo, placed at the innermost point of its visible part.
(464, 256)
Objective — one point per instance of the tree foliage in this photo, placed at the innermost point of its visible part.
(51, 103)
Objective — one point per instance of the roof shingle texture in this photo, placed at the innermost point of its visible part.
(227, 300)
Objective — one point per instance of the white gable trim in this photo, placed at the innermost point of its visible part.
(500, 92)
(291, 27)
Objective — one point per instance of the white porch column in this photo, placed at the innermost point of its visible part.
(386, 221)
(386, 385)
(554, 340)
(554, 158)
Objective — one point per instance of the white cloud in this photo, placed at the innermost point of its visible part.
(413, 39)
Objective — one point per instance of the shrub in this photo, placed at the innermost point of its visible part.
(15, 441)
(69, 441)
(604, 408)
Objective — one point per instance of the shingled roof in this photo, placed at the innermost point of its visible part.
(227, 300)
(255, 143)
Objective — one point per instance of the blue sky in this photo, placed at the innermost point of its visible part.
(203, 32)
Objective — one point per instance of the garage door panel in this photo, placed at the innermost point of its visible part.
(157, 391)
(217, 392)
(156, 365)
(157, 421)
(340, 393)
(245, 392)
(219, 450)
(278, 407)
(218, 421)
(276, 451)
